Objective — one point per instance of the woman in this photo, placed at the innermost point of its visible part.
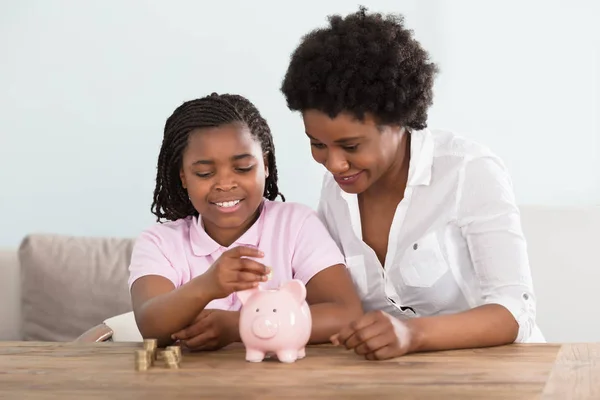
(427, 220)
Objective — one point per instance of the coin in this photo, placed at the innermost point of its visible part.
(171, 359)
(143, 360)
(177, 351)
(151, 345)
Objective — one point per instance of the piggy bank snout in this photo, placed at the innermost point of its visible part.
(265, 327)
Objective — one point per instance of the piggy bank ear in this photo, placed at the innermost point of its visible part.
(244, 295)
(296, 288)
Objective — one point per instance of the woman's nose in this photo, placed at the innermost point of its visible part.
(336, 164)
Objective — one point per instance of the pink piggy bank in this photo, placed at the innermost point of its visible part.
(275, 321)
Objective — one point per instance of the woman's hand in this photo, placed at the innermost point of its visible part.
(212, 330)
(377, 336)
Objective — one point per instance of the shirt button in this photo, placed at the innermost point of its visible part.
(525, 296)
(415, 246)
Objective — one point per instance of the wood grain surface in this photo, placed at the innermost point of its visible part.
(34, 370)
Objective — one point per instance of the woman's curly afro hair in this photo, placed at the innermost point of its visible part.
(362, 63)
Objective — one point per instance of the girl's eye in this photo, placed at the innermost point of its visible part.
(318, 145)
(203, 175)
(245, 169)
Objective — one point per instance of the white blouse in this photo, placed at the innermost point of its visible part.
(455, 242)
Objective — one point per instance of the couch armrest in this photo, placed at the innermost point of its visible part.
(10, 295)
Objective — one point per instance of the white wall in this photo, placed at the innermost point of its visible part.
(85, 88)
(524, 77)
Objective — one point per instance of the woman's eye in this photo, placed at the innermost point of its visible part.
(318, 145)
(350, 148)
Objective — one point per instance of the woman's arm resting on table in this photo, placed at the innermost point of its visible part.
(489, 219)
(484, 326)
(333, 302)
(378, 335)
(490, 222)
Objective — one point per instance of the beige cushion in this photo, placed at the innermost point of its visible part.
(70, 284)
(10, 298)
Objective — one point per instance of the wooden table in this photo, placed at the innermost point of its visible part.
(32, 370)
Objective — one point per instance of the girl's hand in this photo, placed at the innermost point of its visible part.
(232, 272)
(212, 330)
(377, 336)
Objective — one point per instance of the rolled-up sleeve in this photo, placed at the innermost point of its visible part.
(490, 221)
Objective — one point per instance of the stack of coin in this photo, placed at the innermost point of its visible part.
(143, 360)
(150, 345)
(177, 351)
(170, 358)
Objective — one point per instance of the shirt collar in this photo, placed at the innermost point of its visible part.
(421, 158)
(203, 245)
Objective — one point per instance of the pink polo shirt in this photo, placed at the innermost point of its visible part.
(295, 242)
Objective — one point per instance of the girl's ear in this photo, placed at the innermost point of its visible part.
(182, 177)
(266, 162)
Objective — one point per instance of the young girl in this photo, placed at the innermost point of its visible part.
(427, 220)
(215, 184)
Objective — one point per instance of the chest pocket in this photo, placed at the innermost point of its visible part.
(423, 263)
(358, 272)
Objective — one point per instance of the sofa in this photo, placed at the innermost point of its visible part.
(63, 288)
(56, 288)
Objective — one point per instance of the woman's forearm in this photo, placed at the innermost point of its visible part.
(167, 313)
(484, 326)
(329, 318)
